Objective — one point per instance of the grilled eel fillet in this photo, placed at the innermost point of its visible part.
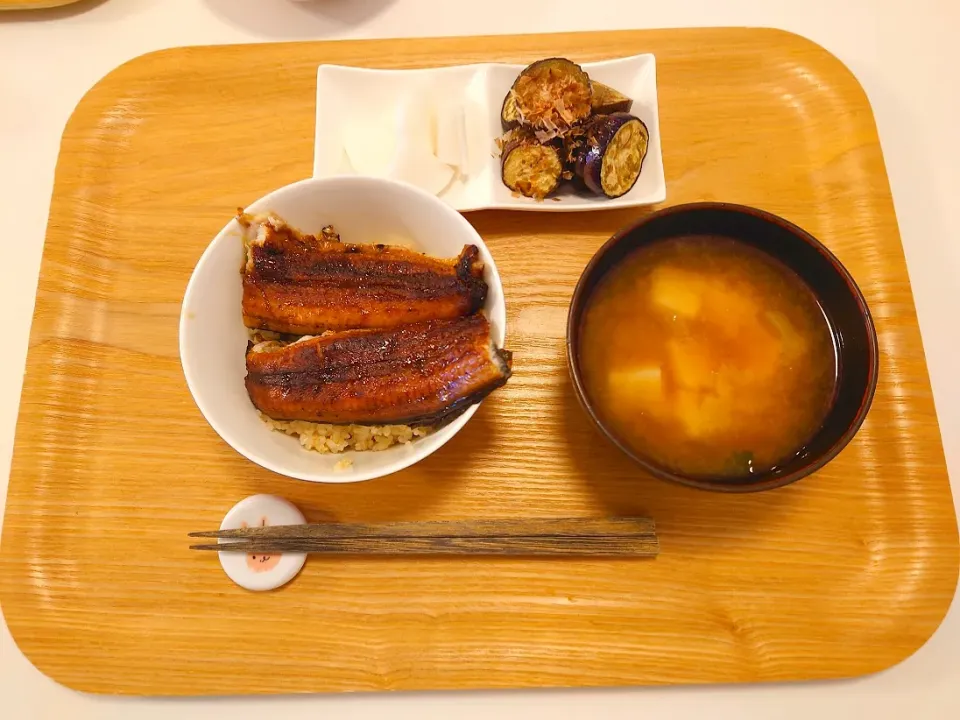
(301, 284)
(417, 374)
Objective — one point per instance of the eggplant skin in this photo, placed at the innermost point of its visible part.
(606, 100)
(608, 153)
(416, 374)
(530, 168)
(553, 94)
(509, 114)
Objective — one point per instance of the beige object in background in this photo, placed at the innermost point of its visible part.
(845, 573)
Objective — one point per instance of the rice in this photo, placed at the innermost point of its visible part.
(324, 438)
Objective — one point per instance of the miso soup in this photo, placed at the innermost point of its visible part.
(708, 356)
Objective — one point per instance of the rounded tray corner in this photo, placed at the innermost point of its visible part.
(8, 611)
(79, 116)
(834, 67)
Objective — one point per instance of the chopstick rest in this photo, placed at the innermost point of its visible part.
(261, 571)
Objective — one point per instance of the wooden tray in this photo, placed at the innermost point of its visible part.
(33, 4)
(845, 573)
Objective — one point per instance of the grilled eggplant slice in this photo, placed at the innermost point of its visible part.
(509, 114)
(606, 100)
(608, 152)
(529, 167)
(549, 95)
(416, 374)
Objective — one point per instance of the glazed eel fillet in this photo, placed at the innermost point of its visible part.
(302, 284)
(417, 374)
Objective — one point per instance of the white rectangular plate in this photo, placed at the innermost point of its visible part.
(348, 95)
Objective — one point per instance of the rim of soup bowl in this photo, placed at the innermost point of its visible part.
(581, 296)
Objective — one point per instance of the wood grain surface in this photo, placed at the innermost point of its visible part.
(33, 4)
(844, 573)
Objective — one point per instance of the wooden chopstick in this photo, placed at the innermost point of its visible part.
(616, 537)
(611, 546)
(511, 527)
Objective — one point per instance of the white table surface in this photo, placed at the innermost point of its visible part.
(907, 56)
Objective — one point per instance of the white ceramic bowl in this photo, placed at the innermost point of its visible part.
(213, 339)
